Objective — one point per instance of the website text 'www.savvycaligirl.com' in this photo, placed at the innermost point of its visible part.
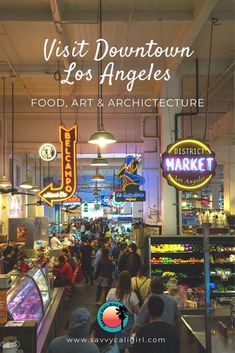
(113, 340)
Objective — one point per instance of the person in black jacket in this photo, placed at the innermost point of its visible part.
(156, 336)
(9, 260)
(122, 258)
(103, 275)
(133, 261)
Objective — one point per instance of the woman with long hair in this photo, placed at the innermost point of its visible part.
(141, 284)
(103, 275)
(129, 299)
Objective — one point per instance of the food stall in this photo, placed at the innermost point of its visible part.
(181, 258)
(33, 309)
(222, 333)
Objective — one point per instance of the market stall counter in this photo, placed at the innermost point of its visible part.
(33, 306)
(222, 334)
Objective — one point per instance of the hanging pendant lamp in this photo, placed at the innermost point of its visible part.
(26, 184)
(4, 181)
(98, 177)
(101, 137)
(99, 161)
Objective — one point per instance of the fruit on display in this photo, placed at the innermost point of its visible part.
(168, 274)
(157, 272)
(222, 258)
(170, 248)
(220, 248)
(169, 260)
(175, 248)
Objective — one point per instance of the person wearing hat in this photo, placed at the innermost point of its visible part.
(79, 329)
(172, 289)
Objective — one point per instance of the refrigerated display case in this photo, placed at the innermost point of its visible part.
(181, 257)
(40, 277)
(24, 300)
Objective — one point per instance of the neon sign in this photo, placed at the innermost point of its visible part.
(50, 194)
(188, 164)
(131, 182)
(113, 202)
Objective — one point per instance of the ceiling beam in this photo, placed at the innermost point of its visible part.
(189, 33)
(90, 16)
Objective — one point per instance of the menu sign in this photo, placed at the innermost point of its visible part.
(3, 307)
(188, 164)
(50, 194)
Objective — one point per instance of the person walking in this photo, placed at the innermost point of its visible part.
(141, 284)
(86, 253)
(124, 294)
(159, 336)
(103, 275)
(122, 258)
(77, 338)
(171, 312)
(133, 261)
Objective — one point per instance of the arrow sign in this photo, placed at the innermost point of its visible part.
(50, 194)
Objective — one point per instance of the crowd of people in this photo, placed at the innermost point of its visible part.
(116, 270)
(114, 267)
(152, 325)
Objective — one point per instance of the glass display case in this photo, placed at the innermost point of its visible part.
(39, 276)
(24, 300)
(29, 295)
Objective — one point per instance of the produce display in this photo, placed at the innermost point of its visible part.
(182, 260)
(172, 248)
(222, 248)
(168, 274)
(175, 248)
(170, 260)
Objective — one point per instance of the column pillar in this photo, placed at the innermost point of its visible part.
(170, 89)
(151, 169)
(229, 181)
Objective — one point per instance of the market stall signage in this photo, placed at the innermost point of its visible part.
(50, 194)
(188, 164)
(131, 182)
(113, 202)
(75, 200)
(3, 307)
(47, 152)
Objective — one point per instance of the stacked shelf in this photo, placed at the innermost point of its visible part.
(181, 257)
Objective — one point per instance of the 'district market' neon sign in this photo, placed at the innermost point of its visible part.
(188, 164)
(50, 194)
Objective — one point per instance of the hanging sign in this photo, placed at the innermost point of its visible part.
(131, 182)
(50, 194)
(47, 152)
(188, 164)
(57, 217)
(74, 200)
(112, 200)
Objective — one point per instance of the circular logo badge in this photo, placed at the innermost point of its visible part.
(47, 152)
(188, 164)
(112, 316)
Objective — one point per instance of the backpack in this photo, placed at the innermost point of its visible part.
(138, 292)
